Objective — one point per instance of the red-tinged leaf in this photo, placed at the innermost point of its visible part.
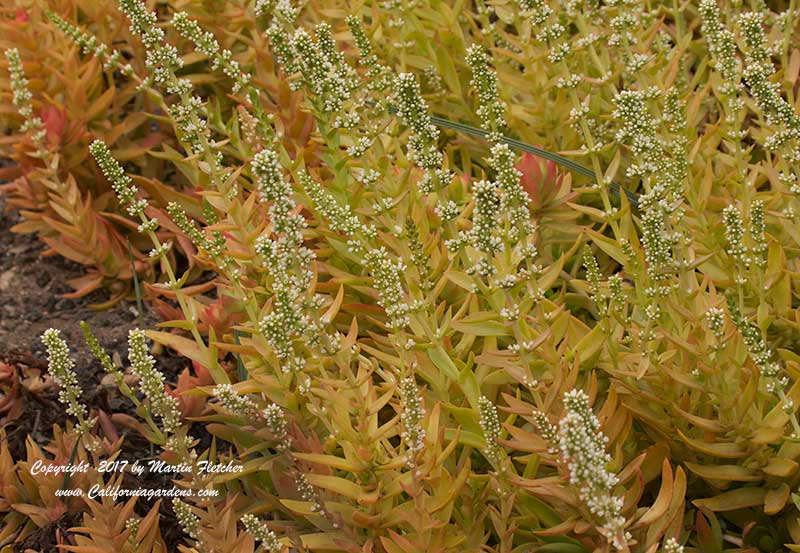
(84, 286)
(663, 500)
(66, 251)
(709, 537)
(397, 544)
(525, 440)
(632, 468)
(112, 301)
(559, 529)
(28, 226)
(55, 121)
(333, 310)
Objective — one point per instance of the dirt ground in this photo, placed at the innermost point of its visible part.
(30, 302)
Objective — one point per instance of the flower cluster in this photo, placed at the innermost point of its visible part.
(757, 232)
(262, 533)
(162, 62)
(418, 255)
(537, 10)
(716, 321)
(616, 295)
(162, 59)
(132, 525)
(423, 148)
(544, 427)
(60, 367)
(378, 75)
(282, 10)
(151, 381)
(281, 44)
(662, 165)
(90, 45)
(734, 234)
(324, 71)
(121, 183)
(672, 545)
(22, 98)
(639, 130)
(275, 189)
(233, 402)
(205, 42)
(657, 247)
(722, 45)
(309, 493)
(277, 424)
(282, 325)
(447, 211)
(592, 271)
(490, 425)
(582, 446)
(257, 128)
(388, 281)
(501, 218)
(287, 261)
(193, 127)
(413, 412)
(774, 379)
(189, 521)
(514, 199)
(484, 80)
(214, 246)
(757, 72)
(339, 216)
(485, 219)
(100, 354)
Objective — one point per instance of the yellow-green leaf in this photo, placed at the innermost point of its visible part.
(733, 500)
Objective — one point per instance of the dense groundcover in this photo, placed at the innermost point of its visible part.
(396, 276)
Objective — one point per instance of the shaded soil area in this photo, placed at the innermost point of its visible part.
(31, 289)
(30, 302)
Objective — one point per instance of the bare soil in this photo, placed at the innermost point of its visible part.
(31, 301)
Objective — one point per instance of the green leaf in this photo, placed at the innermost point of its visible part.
(609, 247)
(480, 328)
(469, 385)
(443, 362)
(591, 343)
(460, 279)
